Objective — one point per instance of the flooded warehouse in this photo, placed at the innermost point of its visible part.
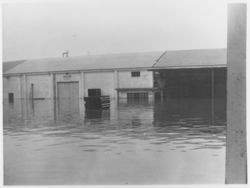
(102, 119)
(124, 93)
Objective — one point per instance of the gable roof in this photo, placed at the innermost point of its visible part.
(11, 64)
(93, 62)
(192, 59)
(152, 60)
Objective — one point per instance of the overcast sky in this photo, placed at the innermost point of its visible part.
(111, 26)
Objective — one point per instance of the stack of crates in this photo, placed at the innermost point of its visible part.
(105, 101)
(94, 92)
(95, 100)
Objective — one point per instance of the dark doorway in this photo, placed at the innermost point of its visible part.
(11, 97)
(192, 83)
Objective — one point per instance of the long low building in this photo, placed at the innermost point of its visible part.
(117, 75)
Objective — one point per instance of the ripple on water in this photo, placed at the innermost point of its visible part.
(89, 150)
(125, 133)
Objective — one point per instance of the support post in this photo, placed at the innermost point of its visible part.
(21, 86)
(236, 155)
(116, 84)
(212, 96)
(162, 95)
(52, 87)
(52, 95)
(24, 87)
(32, 91)
(82, 85)
(82, 93)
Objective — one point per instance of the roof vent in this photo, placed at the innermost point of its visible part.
(65, 54)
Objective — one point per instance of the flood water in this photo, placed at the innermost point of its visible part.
(178, 141)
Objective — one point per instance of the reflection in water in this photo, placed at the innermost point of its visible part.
(137, 100)
(58, 142)
(97, 114)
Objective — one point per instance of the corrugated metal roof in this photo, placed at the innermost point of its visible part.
(93, 62)
(11, 64)
(193, 58)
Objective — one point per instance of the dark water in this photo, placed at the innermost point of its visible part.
(178, 141)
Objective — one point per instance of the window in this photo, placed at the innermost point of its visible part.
(135, 74)
(137, 98)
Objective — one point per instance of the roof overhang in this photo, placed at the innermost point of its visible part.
(188, 67)
(137, 89)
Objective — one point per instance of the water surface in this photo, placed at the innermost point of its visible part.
(178, 141)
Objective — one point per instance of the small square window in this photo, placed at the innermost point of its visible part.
(135, 74)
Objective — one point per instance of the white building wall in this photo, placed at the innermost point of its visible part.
(102, 80)
(12, 84)
(127, 81)
(106, 81)
(41, 86)
(72, 77)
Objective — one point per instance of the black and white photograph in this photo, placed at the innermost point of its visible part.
(124, 92)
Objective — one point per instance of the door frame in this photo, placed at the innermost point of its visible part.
(57, 92)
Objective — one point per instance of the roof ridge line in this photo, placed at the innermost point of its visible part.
(157, 60)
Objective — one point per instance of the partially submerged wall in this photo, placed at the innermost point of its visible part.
(12, 84)
(145, 80)
(44, 85)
